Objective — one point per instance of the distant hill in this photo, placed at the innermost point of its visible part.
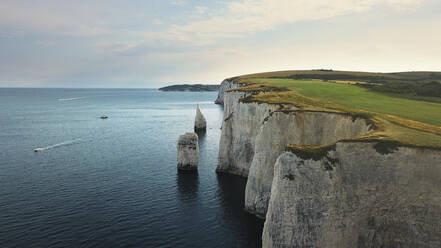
(191, 87)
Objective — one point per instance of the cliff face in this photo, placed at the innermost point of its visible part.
(227, 84)
(363, 199)
(357, 194)
(239, 129)
(293, 127)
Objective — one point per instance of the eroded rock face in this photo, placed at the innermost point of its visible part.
(295, 127)
(241, 123)
(356, 197)
(227, 84)
(188, 152)
(200, 124)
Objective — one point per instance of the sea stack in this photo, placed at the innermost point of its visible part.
(200, 124)
(188, 152)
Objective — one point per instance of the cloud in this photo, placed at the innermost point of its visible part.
(46, 43)
(247, 17)
(51, 18)
(201, 9)
(205, 41)
(157, 21)
(177, 2)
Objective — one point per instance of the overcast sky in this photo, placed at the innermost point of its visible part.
(140, 43)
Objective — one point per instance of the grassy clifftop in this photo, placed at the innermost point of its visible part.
(404, 107)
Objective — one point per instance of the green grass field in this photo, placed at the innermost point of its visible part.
(360, 98)
(408, 121)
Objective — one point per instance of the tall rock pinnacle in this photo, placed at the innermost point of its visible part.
(200, 124)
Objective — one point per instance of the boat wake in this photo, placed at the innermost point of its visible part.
(201, 102)
(70, 142)
(70, 99)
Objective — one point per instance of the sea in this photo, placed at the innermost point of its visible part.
(113, 182)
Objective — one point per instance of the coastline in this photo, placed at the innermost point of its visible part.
(261, 140)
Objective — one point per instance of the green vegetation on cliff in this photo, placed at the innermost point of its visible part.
(405, 108)
(361, 98)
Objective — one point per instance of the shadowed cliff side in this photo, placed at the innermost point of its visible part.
(292, 127)
(356, 197)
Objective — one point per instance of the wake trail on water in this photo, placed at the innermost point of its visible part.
(70, 99)
(66, 143)
(201, 102)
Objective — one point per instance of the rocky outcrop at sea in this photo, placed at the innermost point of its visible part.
(200, 124)
(188, 152)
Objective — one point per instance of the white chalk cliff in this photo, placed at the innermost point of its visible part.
(226, 85)
(356, 194)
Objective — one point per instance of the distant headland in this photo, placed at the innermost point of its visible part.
(191, 87)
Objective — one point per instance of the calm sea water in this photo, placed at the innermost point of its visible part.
(113, 183)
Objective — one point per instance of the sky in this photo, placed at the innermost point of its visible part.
(149, 43)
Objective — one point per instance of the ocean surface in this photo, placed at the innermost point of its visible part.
(114, 183)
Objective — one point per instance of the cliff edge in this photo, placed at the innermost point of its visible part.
(324, 174)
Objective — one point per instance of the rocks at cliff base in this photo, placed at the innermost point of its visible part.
(188, 152)
(200, 124)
